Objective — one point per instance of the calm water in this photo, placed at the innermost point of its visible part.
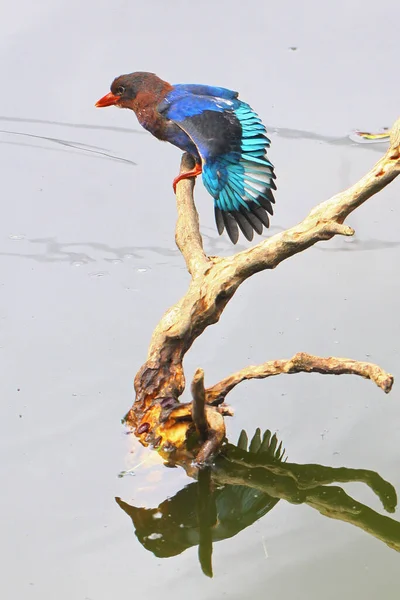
(88, 265)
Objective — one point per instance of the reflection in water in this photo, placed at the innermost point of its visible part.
(357, 245)
(97, 155)
(352, 140)
(96, 150)
(242, 486)
(204, 512)
(54, 251)
(73, 125)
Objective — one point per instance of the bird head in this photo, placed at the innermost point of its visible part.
(126, 88)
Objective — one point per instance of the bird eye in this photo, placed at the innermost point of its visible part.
(120, 90)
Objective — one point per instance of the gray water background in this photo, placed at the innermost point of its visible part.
(88, 265)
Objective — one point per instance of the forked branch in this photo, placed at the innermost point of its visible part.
(157, 416)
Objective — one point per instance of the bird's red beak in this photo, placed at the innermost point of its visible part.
(108, 100)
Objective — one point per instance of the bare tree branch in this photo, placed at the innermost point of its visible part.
(215, 280)
(302, 363)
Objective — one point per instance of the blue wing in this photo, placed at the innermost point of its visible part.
(232, 144)
(181, 103)
(197, 89)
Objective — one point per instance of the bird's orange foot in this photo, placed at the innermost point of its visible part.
(192, 173)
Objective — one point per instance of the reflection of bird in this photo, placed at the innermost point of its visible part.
(223, 134)
(174, 526)
(178, 522)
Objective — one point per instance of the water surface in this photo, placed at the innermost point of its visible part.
(88, 266)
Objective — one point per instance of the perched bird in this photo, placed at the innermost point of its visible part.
(223, 134)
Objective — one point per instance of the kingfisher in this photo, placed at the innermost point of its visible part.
(226, 138)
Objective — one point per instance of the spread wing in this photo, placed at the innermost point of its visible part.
(232, 143)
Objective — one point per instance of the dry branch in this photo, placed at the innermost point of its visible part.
(302, 363)
(157, 416)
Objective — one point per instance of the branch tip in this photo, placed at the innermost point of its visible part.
(340, 229)
(199, 403)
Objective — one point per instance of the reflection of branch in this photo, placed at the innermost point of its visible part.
(302, 362)
(299, 484)
(214, 281)
(310, 476)
(207, 517)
